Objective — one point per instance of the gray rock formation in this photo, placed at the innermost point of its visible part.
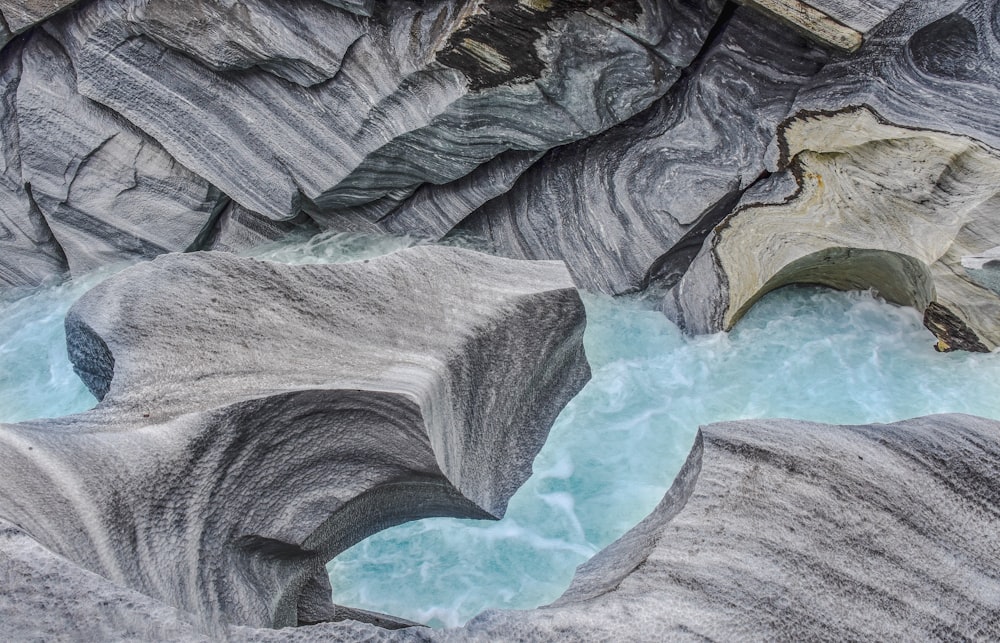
(774, 529)
(29, 254)
(887, 177)
(783, 530)
(638, 200)
(842, 24)
(107, 191)
(257, 419)
(425, 95)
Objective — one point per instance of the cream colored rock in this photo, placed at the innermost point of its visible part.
(861, 204)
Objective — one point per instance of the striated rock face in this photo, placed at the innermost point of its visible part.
(638, 200)
(426, 93)
(107, 191)
(777, 529)
(257, 419)
(887, 177)
(842, 24)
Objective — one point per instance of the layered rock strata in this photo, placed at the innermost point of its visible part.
(257, 419)
(637, 201)
(886, 176)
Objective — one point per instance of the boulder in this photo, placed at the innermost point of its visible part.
(256, 419)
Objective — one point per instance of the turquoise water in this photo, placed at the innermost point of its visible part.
(801, 353)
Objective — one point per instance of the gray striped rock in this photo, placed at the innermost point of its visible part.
(428, 93)
(842, 24)
(17, 16)
(785, 530)
(107, 191)
(887, 175)
(257, 419)
(29, 254)
(636, 202)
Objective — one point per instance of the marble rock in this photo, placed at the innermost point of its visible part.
(29, 254)
(106, 191)
(18, 16)
(886, 175)
(841, 24)
(239, 230)
(426, 94)
(256, 419)
(787, 530)
(636, 202)
(303, 41)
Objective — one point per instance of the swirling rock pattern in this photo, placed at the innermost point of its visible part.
(784, 530)
(617, 207)
(257, 419)
(774, 529)
(405, 107)
(888, 176)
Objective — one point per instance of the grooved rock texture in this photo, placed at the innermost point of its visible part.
(774, 529)
(425, 94)
(107, 191)
(841, 24)
(620, 206)
(785, 530)
(257, 419)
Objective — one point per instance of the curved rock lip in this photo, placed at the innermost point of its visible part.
(257, 419)
(781, 529)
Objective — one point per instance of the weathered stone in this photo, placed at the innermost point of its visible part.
(29, 255)
(21, 15)
(257, 419)
(785, 530)
(888, 171)
(107, 191)
(303, 41)
(637, 201)
(414, 101)
(238, 229)
(842, 24)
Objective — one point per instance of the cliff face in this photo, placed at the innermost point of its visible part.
(682, 143)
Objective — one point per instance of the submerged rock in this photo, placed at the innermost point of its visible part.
(257, 419)
(778, 529)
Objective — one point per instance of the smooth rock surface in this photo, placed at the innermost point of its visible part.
(638, 200)
(108, 192)
(257, 419)
(863, 205)
(887, 176)
(29, 254)
(786, 530)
